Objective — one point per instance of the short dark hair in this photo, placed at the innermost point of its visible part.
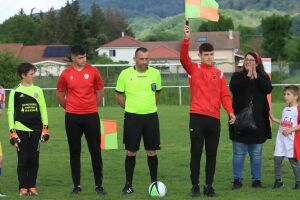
(142, 49)
(77, 50)
(206, 47)
(24, 68)
(293, 89)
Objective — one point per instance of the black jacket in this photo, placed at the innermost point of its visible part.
(243, 89)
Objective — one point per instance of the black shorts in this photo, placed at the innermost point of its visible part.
(136, 126)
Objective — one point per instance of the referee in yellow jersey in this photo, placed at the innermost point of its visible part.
(138, 91)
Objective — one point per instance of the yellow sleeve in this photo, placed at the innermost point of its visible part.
(11, 110)
(43, 107)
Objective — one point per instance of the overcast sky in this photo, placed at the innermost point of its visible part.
(9, 8)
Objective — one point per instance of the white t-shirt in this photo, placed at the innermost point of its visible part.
(285, 144)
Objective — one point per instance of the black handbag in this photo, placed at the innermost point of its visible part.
(245, 121)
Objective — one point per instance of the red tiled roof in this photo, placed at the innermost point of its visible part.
(220, 40)
(175, 45)
(14, 48)
(31, 53)
(163, 52)
(34, 54)
(125, 41)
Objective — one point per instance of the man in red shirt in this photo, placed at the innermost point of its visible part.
(208, 91)
(79, 91)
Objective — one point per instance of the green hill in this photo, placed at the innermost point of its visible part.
(165, 8)
(144, 27)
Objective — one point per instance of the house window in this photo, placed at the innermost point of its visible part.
(112, 53)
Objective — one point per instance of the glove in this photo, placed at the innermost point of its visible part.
(45, 134)
(14, 138)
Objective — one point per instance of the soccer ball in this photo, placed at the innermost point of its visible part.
(157, 189)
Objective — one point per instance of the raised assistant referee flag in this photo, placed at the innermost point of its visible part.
(207, 9)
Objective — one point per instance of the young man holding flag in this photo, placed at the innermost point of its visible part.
(208, 91)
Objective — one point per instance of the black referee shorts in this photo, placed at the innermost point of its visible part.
(138, 125)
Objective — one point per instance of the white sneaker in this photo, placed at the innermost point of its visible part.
(2, 195)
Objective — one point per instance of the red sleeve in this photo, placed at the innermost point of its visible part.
(184, 57)
(297, 139)
(298, 115)
(225, 96)
(98, 82)
(61, 83)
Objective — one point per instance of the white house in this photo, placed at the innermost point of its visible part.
(225, 44)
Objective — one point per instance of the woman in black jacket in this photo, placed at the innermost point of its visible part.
(252, 83)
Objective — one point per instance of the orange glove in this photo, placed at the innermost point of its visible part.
(14, 138)
(45, 134)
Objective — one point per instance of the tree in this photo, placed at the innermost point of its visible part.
(96, 21)
(117, 23)
(49, 30)
(250, 38)
(161, 36)
(276, 31)
(224, 24)
(8, 69)
(20, 28)
(67, 18)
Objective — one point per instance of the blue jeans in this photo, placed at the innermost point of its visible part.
(239, 151)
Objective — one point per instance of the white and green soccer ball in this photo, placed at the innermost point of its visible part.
(157, 189)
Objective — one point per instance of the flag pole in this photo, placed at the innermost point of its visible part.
(186, 21)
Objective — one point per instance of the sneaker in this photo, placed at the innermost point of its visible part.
(76, 190)
(297, 185)
(127, 189)
(236, 184)
(2, 195)
(23, 192)
(100, 190)
(209, 191)
(32, 192)
(278, 184)
(256, 184)
(195, 191)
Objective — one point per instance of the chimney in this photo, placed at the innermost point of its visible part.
(230, 34)
(123, 34)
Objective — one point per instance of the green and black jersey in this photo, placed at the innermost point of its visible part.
(27, 110)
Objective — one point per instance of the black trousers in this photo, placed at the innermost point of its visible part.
(203, 130)
(28, 158)
(76, 125)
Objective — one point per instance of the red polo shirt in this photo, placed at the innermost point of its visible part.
(80, 88)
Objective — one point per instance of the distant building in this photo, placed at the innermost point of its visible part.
(225, 44)
(50, 59)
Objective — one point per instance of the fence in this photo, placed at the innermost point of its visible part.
(170, 95)
(174, 80)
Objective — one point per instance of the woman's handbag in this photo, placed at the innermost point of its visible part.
(245, 121)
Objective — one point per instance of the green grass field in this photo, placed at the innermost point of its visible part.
(54, 179)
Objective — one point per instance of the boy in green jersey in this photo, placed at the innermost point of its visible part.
(28, 124)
